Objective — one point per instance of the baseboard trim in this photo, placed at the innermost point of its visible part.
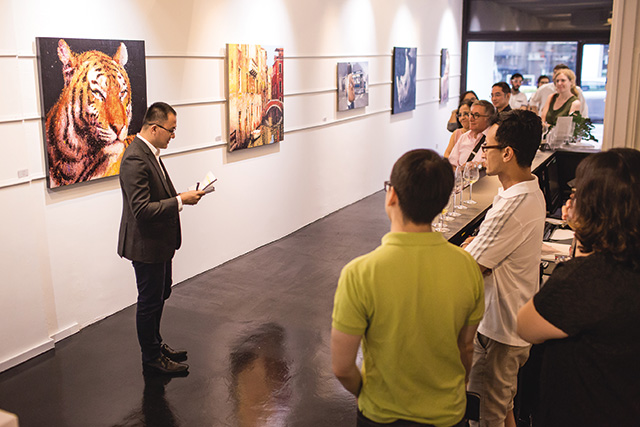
(23, 357)
(65, 333)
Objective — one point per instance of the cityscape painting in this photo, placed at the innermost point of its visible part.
(256, 107)
(404, 79)
(353, 85)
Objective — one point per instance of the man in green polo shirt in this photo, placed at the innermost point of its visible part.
(414, 302)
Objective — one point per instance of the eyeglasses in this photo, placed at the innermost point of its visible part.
(488, 147)
(462, 114)
(387, 184)
(477, 115)
(172, 132)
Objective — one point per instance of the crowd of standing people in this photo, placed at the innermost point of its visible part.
(441, 325)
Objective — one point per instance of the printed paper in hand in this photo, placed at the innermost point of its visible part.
(206, 184)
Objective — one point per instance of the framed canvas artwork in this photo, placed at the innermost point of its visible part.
(94, 96)
(353, 85)
(404, 79)
(444, 76)
(256, 96)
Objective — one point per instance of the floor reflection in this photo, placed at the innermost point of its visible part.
(155, 410)
(260, 379)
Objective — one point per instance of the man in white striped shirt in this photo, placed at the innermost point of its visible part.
(507, 248)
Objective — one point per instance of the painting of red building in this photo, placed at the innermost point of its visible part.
(256, 95)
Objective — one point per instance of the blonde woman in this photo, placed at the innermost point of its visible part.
(463, 117)
(565, 101)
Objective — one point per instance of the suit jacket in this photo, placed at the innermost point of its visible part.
(150, 225)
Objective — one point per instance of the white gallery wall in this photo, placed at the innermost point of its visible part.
(59, 267)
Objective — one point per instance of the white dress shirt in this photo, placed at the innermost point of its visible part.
(156, 153)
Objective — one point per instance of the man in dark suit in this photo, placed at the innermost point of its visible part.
(150, 232)
(500, 97)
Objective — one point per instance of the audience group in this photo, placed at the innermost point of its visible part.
(443, 327)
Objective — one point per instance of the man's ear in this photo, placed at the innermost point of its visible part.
(508, 154)
(392, 197)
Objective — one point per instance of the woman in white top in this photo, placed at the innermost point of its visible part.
(463, 117)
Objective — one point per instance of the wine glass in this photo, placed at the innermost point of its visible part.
(452, 214)
(459, 187)
(441, 227)
(471, 174)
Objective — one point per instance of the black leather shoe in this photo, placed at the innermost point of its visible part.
(175, 355)
(164, 365)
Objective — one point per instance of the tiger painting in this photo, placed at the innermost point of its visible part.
(87, 128)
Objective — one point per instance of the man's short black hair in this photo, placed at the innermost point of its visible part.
(158, 112)
(423, 182)
(543, 76)
(516, 75)
(560, 67)
(522, 131)
(504, 86)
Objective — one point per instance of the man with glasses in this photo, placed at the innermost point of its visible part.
(150, 233)
(468, 146)
(414, 303)
(500, 97)
(508, 249)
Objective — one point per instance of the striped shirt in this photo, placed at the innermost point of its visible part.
(510, 243)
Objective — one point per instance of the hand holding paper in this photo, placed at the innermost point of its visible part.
(206, 184)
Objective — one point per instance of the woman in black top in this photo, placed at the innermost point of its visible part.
(588, 312)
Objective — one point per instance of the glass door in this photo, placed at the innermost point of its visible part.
(593, 78)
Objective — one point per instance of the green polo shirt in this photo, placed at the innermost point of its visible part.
(409, 298)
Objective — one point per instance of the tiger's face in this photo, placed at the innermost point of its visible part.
(87, 129)
(100, 93)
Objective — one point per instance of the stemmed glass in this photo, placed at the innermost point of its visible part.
(459, 186)
(452, 201)
(442, 227)
(471, 174)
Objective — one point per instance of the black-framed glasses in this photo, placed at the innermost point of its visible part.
(488, 147)
(478, 115)
(172, 132)
(462, 114)
(387, 184)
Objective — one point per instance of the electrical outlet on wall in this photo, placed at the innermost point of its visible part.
(22, 173)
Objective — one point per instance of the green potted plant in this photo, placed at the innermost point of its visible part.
(582, 128)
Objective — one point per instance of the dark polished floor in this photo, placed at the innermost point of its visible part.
(257, 330)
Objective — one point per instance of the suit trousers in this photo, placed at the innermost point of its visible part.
(154, 288)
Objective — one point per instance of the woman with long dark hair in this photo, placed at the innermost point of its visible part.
(588, 312)
(454, 123)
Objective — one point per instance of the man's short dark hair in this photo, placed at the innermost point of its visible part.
(423, 182)
(607, 205)
(543, 76)
(560, 67)
(516, 75)
(522, 131)
(504, 86)
(158, 112)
